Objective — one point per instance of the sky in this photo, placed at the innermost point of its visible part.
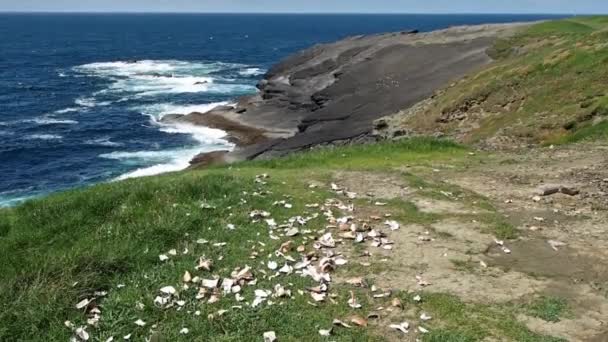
(312, 6)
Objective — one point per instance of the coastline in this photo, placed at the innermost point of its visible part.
(334, 92)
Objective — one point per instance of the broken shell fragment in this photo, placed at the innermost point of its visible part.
(187, 277)
(352, 302)
(204, 264)
(210, 283)
(425, 317)
(396, 302)
(83, 303)
(325, 332)
(358, 320)
(340, 323)
(140, 323)
(82, 334)
(168, 290)
(403, 327)
(270, 336)
(393, 225)
(556, 244)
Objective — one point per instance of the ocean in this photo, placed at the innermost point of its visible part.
(81, 95)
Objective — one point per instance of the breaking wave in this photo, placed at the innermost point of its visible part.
(44, 137)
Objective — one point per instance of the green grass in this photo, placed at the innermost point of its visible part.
(369, 156)
(455, 320)
(550, 309)
(62, 249)
(545, 87)
(59, 250)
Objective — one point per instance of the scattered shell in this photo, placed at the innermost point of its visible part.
(393, 225)
(357, 281)
(325, 332)
(163, 257)
(423, 330)
(140, 323)
(184, 331)
(403, 327)
(82, 334)
(396, 302)
(270, 336)
(210, 283)
(358, 320)
(83, 303)
(292, 232)
(425, 317)
(352, 302)
(340, 323)
(417, 299)
(318, 297)
(168, 290)
(272, 265)
(204, 264)
(187, 277)
(556, 244)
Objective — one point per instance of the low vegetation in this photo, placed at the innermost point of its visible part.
(104, 242)
(545, 87)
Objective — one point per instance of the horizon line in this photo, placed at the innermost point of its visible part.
(292, 13)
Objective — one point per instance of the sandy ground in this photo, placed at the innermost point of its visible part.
(575, 270)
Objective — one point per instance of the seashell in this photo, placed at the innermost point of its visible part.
(187, 277)
(403, 327)
(204, 264)
(358, 320)
(140, 323)
(270, 336)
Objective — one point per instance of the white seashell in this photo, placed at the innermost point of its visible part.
(184, 331)
(325, 332)
(425, 317)
(163, 257)
(82, 334)
(83, 303)
(140, 323)
(403, 327)
(270, 336)
(168, 290)
(210, 283)
(393, 225)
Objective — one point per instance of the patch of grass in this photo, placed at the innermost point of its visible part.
(370, 156)
(455, 320)
(550, 309)
(61, 249)
(546, 86)
(464, 265)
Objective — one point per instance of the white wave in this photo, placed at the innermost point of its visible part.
(252, 72)
(161, 161)
(152, 85)
(152, 78)
(61, 74)
(105, 141)
(67, 110)
(51, 121)
(158, 111)
(4, 133)
(44, 137)
(151, 67)
(90, 102)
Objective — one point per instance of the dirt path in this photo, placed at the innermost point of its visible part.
(448, 244)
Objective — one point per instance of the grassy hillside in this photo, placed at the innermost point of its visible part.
(547, 86)
(104, 243)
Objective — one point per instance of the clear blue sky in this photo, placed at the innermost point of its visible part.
(376, 6)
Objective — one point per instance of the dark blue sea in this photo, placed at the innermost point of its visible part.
(81, 94)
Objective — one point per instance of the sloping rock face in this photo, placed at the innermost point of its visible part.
(334, 92)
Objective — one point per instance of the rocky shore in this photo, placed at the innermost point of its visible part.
(333, 92)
